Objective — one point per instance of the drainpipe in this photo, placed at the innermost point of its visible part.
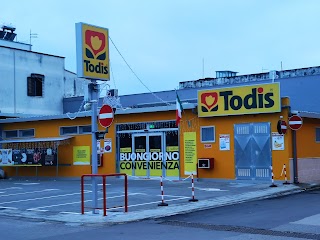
(14, 82)
(294, 149)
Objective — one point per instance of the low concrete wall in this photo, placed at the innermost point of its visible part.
(309, 170)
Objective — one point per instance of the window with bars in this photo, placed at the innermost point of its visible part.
(208, 134)
(35, 85)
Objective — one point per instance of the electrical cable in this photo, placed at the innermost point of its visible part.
(137, 75)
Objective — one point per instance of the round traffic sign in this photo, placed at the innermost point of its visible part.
(295, 122)
(282, 127)
(106, 116)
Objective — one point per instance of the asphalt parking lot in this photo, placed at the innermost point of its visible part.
(64, 196)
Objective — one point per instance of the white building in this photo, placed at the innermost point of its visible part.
(31, 82)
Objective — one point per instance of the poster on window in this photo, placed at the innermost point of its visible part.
(107, 145)
(277, 141)
(224, 142)
(6, 157)
(28, 156)
(35, 156)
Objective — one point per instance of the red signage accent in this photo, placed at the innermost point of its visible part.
(283, 127)
(106, 116)
(295, 122)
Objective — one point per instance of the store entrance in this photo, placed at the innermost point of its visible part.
(149, 151)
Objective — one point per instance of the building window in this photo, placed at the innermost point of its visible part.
(208, 134)
(26, 133)
(10, 134)
(84, 129)
(18, 133)
(68, 130)
(35, 85)
(71, 130)
(318, 134)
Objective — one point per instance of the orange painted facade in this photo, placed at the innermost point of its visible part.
(224, 161)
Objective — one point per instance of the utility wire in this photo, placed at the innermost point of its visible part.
(137, 75)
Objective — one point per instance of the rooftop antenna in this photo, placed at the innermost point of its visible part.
(202, 67)
(32, 35)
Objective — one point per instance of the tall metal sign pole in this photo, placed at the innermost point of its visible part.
(93, 63)
(94, 93)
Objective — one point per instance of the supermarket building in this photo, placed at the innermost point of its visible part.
(228, 130)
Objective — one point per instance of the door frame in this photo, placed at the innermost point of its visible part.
(147, 135)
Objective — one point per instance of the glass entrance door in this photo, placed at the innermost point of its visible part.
(148, 151)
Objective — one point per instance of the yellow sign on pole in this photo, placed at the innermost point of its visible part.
(92, 52)
(263, 98)
(190, 153)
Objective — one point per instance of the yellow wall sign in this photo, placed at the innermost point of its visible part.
(92, 52)
(81, 155)
(263, 98)
(190, 153)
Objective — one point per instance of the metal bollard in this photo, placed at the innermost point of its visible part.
(272, 185)
(162, 194)
(285, 175)
(193, 199)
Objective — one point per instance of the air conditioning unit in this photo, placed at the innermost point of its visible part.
(205, 163)
(113, 92)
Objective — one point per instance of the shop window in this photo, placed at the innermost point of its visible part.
(18, 133)
(172, 141)
(125, 142)
(85, 129)
(10, 134)
(68, 130)
(208, 134)
(318, 134)
(26, 133)
(35, 85)
(149, 125)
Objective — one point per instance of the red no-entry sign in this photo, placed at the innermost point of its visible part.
(106, 116)
(295, 122)
(282, 127)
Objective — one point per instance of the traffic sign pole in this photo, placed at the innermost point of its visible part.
(295, 123)
(94, 89)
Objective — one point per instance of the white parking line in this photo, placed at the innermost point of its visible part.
(34, 199)
(100, 184)
(13, 208)
(173, 196)
(10, 188)
(209, 189)
(71, 213)
(37, 210)
(27, 183)
(14, 194)
(71, 203)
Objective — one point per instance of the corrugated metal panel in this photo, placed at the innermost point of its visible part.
(252, 150)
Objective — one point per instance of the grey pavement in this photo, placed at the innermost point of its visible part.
(210, 194)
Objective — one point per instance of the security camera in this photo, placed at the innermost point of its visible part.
(87, 106)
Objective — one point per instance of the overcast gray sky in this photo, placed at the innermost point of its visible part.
(170, 41)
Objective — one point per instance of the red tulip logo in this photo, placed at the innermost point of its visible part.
(209, 101)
